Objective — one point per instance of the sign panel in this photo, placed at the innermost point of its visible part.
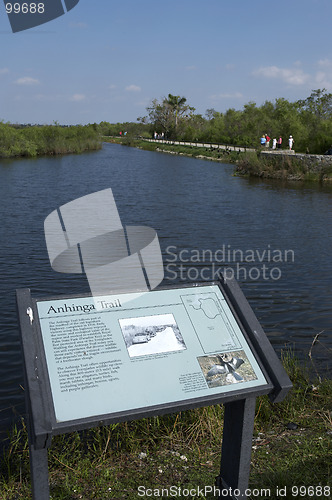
(121, 352)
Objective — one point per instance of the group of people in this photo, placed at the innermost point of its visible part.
(158, 136)
(276, 143)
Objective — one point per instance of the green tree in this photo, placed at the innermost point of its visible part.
(318, 104)
(215, 131)
(167, 114)
(316, 116)
(308, 120)
(193, 129)
(178, 106)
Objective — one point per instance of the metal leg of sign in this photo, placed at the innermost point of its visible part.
(39, 472)
(236, 448)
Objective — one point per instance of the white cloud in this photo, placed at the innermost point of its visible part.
(112, 87)
(78, 97)
(323, 80)
(323, 77)
(293, 76)
(27, 80)
(4, 71)
(325, 63)
(190, 68)
(133, 88)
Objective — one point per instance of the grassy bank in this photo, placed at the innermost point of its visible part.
(281, 167)
(183, 450)
(46, 140)
(193, 151)
(248, 164)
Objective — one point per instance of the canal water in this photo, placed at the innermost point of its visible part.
(276, 237)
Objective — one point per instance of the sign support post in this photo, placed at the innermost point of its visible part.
(236, 446)
(39, 473)
(38, 439)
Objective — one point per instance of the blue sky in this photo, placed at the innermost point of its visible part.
(106, 60)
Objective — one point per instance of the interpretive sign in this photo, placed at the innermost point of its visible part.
(134, 350)
(95, 360)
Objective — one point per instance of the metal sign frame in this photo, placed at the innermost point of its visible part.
(239, 403)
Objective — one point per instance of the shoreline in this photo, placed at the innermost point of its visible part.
(248, 163)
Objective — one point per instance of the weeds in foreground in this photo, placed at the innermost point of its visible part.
(291, 446)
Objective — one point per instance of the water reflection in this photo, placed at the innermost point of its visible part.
(192, 204)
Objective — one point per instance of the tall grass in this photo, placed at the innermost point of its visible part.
(46, 140)
(280, 167)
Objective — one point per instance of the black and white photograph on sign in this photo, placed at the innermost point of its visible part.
(151, 335)
(226, 368)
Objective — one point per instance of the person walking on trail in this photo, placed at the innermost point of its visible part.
(263, 140)
(279, 142)
(267, 144)
(274, 143)
(290, 142)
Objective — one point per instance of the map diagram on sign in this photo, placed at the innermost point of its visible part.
(208, 306)
(212, 321)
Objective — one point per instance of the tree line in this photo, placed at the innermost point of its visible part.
(309, 121)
